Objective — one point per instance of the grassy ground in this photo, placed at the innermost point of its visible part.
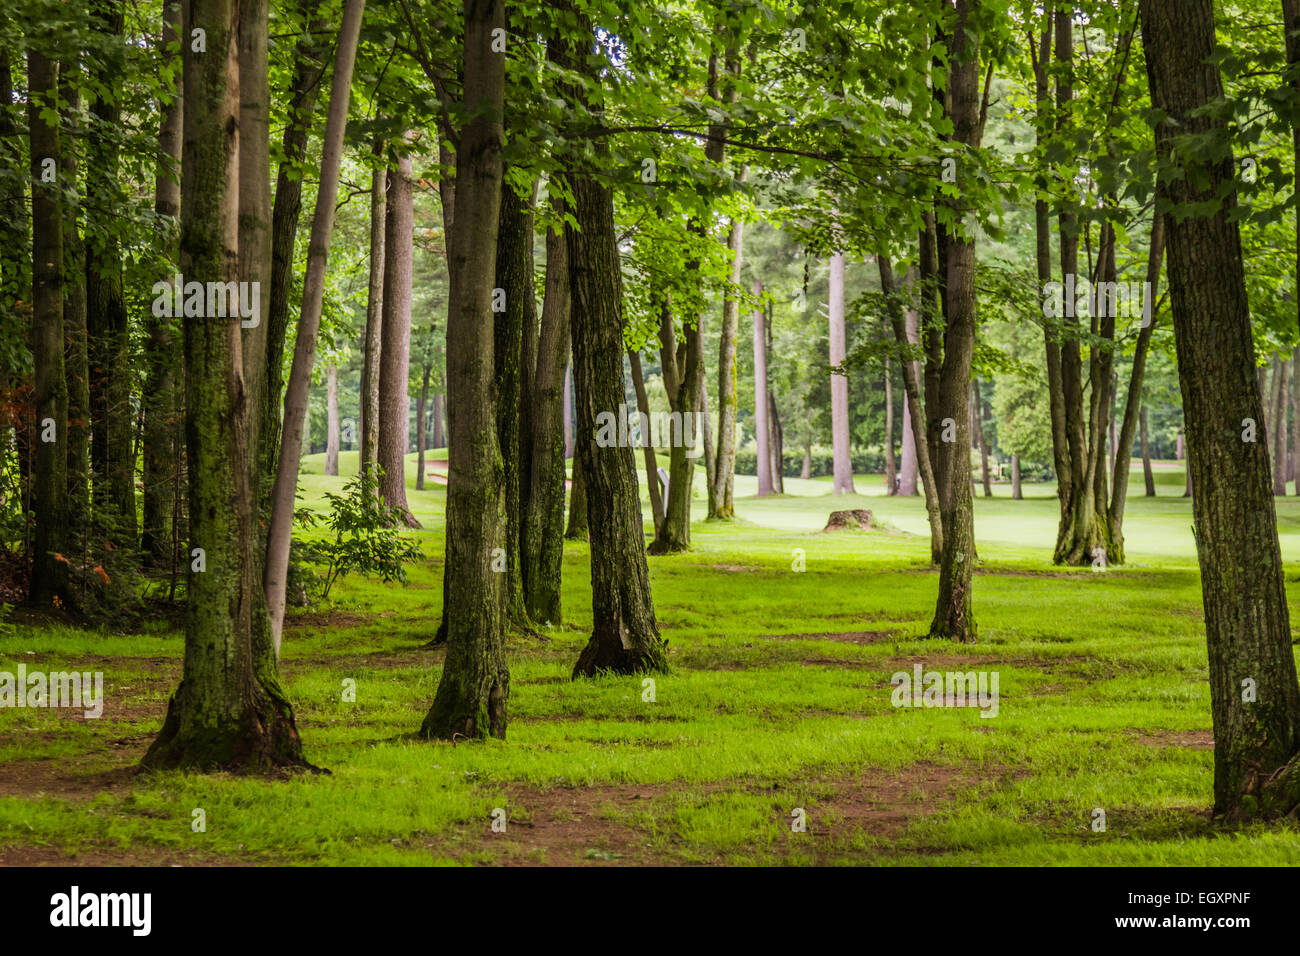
(778, 701)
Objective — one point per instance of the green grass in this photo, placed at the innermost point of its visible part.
(1103, 705)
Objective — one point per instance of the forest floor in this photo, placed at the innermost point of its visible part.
(778, 701)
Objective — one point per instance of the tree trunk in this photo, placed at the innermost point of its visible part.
(374, 317)
(309, 66)
(843, 463)
(1147, 475)
(50, 398)
(332, 420)
(1016, 493)
(576, 529)
(304, 354)
(421, 404)
(891, 467)
(762, 458)
(514, 275)
(1295, 417)
(1291, 35)
(979, 438)
(107, 331)
(904, 325)
(682, 373)
(1255, 699)
(474, 688)
(722, 495)
(439, 439)
(777, 443)
(395, 347)
(161, 411)
(1133, 406)
(954, 617)
(76, 357)
(229, 712)
(568, 411)
(647, 445)
(907, 471)
(543, 543)
(625, 636)
(1279, 425)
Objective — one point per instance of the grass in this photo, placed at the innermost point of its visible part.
(778, 701)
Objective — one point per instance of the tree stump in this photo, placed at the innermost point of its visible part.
(855, 518)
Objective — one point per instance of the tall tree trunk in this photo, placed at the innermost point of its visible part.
(762, 456)
(76, 356)
(1279, 425)
(904, 324)
(106, 319)
(49, 474)
(777, 443)
(576, 529)
(304, 353)
(421, 404)
(1254, 695)
(543, 542)
(514, 275)
(374, 317)
(229, 711)
(891, 467)
(722, 495)
(647, 444)
(161, 410)
(907, 471)
(682, 373)
(1295, 418)
(954, 617)
(979, 438)
(568, 410)
(842, 458)
(439, 439)
(474, 689)
(309, 67)
(332, 420)
(625, 636)
(1016, 493)
(1147, 476)
(395, 348)
(1133, 406)
(1291, 32)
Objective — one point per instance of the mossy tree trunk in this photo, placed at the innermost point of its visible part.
(229, 712)
(474, 689)
(49, 473)
(1255, 699)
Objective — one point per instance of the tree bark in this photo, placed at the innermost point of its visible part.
(395, 347)
(954, 617)
(904, 325)
(625, 636)
(76, 355)
(762, 458)
(682, 373)
(229, 712)
(1147, 476)
(843, 463)
(543, 540)
(979, 438)
(309, 67)
(474, 689)
(891, 466)
(722, 496)
(647, 445)
(1279, 425)
(1133, 406)
(162, 432)
(50, 397)
(374, 316)
(1016, 493)
(1247, 624)
(107, 330)
(332, 420)
(304, 354)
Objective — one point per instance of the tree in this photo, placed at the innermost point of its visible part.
(229, 711)
(374, 318)
(843, 479)
(474, 688)
(280, 533)
(1255, 698)
(761, 430)
(49, 479)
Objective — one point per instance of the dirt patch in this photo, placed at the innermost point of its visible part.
(1192, 739)
(111, 856)
(55, 778)
(732, 568)
(844, 637)
(326, 619)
